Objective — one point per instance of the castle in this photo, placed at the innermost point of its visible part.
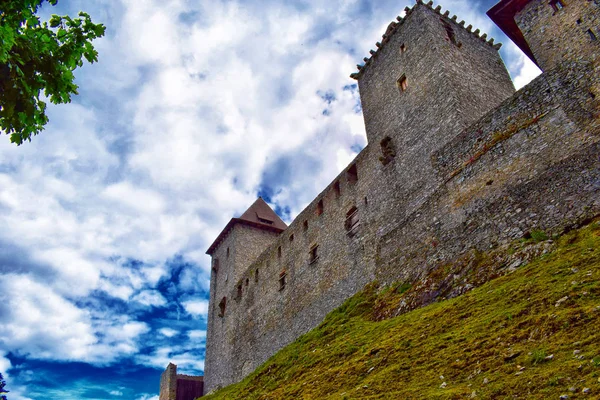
(456, 160)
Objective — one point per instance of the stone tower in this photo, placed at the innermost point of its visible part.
(430, 78)
(551, 32)
(241, 241)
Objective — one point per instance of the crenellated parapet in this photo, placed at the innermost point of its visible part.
(456, 161)
(395, 26)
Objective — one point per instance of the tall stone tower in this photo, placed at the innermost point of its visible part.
(430, 78)
(551, 32)
(241, 241)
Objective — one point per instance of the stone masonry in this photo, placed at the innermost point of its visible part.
(456, 160)
(174, 386)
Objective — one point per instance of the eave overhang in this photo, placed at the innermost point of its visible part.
(503, 15)
(230, 226)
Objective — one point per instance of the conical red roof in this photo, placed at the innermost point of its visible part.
(261, 213)
(258, 215)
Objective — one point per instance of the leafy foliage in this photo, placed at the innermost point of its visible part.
(36, 57)
(2, 391)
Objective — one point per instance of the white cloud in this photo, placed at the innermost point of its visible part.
(150, 298)
(196, 307)
(196, 334)
(176, 128)
(168, 332)
(147, 397)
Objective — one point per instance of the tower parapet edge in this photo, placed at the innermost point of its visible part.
(456, 161)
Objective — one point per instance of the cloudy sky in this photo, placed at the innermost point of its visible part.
(195, 108)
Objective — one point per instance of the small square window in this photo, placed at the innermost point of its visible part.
(557, 4)
(402, 84)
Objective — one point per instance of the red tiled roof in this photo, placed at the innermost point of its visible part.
(258, 215)
(503, 15)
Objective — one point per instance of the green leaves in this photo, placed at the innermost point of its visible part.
(38, 57)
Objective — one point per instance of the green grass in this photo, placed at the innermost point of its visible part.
(505, 339)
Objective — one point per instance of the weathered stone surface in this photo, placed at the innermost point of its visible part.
(468, 165)
(174, 386)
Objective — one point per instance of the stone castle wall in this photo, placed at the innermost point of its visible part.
(174, 386)
(576, 24)
(168, 383)
(465, 174)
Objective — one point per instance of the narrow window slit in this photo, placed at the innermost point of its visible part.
(282, 276)
(352, 221)
(352, 174)
(402, 84)
(314, 254)
(222, 305)
(337, 189)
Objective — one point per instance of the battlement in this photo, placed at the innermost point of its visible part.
(395, 26)
(456, 161)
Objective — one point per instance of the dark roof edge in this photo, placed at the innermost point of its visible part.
(503, 15)
(232, 222)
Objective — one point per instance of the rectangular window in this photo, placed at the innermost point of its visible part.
(239, 292)
(352, 221)
(352, 174)
(282, 280)
(291, 237)
(402, 84)
(557, 4)
(337, 189)
(222, 306)
(402, 48)
(228, 252)
(305, 226)
(215, 266)
(320, 207)
(256, 276)
(279, 252)
(265, 221)
(314, 254)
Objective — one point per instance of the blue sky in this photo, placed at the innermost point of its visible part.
(194, 109)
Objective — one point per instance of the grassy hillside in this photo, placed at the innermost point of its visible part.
(531, 334)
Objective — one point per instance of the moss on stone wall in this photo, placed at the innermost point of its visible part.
(530, 333)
